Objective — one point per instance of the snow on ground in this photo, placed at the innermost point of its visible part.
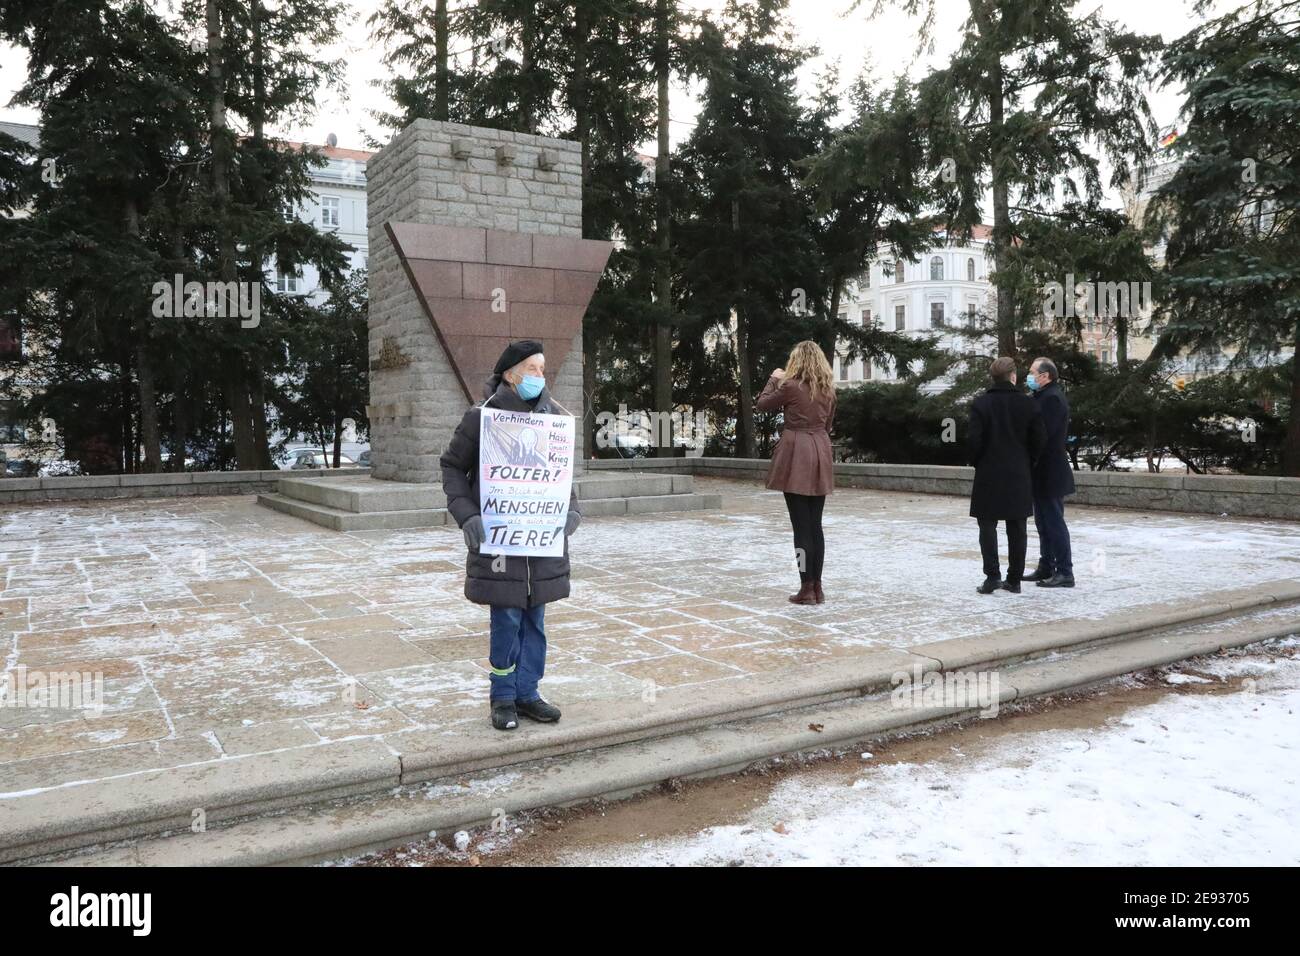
(1193, 779)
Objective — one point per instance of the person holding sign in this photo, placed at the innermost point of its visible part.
(508, 476)
(802, 465)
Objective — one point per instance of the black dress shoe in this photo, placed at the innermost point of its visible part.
(538, 710)
(1040, 574)
(1012, 586)
(1058, 581)
(989, 586)
(504, 716)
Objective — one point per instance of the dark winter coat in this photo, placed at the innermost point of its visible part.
(802, 462)
(1005, 438)
(1053, 476)
(523, 582)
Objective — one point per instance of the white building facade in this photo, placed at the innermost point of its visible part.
(946, 289)
(338, 205)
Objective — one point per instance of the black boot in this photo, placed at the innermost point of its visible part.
(504, 716)
(1041, 573)
(1012, 586)
(1058, 581)
(538, 710)
(990, 585)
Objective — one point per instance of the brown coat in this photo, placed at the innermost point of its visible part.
(802, 463)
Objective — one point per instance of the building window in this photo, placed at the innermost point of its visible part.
(936, 315)
(12, 431)
(288, 284)
(1105, 357)
(970, 314)
(900, 318)
(329, 210)
(970, 270)
(936, 268)
(866, 317)
(11, 337)
(844, 369)
(898, 271)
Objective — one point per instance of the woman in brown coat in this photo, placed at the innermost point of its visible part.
(801, 464)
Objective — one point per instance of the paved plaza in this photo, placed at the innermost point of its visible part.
(223, 629)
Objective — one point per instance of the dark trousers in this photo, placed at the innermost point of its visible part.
(809, 542)
(1017, 540)
(516, 651)
(1053, 535)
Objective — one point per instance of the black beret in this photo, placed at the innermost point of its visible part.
(515, 353)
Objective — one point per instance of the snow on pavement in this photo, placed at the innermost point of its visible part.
(1193, 779)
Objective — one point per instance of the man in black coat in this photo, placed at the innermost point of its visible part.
(516, 589)
(1005, 438)
(1053, 479)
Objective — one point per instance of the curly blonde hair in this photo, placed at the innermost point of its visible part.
(807, 364)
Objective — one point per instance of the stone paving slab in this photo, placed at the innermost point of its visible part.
(225, 632)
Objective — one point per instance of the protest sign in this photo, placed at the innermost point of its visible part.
(525, 477)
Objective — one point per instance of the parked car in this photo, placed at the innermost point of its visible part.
(20, 468)
(363, 460)
(315, 458)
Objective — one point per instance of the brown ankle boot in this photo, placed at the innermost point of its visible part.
(817, 592)
(805, 595)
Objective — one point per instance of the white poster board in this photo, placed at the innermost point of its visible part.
(525, 477)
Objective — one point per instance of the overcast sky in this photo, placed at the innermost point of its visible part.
(887, 43)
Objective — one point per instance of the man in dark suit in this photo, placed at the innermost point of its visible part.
(1053, 479)
(1005, 438)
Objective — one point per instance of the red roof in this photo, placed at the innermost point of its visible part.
(333, 152)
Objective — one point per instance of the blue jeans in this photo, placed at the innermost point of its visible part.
(1053, 535)
(517, 651)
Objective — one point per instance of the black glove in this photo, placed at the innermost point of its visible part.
(474, 533)
(571, 523)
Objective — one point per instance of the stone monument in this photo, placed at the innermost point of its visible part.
(475, 240)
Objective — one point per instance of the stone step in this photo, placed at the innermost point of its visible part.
(649, 504)
(619, 767)
(605, 485)
(364, 495)
(337, 519)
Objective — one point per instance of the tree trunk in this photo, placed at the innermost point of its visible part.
(257, 408)
(1121, 341)
(179, 426)
(1002, 234)
(233, 383)
(528, 113)
(582, 130)
(150, 435)
(441, 76)
(745, 423)
(663, 374)
(1291, 445)
(255, 375)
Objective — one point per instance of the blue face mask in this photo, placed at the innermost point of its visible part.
(530, 387)
(1032, 381)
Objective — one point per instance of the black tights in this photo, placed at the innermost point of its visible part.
(806, 519)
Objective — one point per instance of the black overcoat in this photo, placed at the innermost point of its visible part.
(1006, 436)
(519, 582)
(1053, 476)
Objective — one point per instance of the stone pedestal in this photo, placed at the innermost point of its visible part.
(475, 240)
